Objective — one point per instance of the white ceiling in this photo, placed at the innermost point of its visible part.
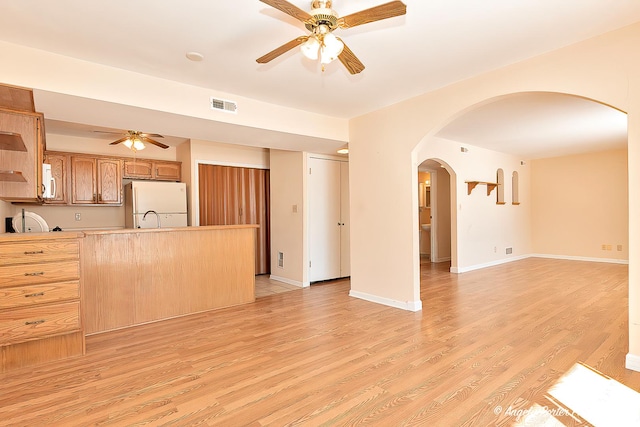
(437, 43)
(536, 125)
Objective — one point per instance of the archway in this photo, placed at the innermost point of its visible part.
(489, 231)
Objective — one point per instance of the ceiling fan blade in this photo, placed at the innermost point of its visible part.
(377, 13)
(282, 49)
(108, 132)
(289, 9)
(152, 135)
(119, 141)
(151, 141)
(350, 61)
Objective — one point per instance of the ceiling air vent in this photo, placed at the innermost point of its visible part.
(224, 105)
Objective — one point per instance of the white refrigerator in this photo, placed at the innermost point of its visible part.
(155, 204)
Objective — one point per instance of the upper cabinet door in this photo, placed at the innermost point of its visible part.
(58, 164)
(83, 180)
(21, 141)
(109, 181)
(167, 171)
(138, 169)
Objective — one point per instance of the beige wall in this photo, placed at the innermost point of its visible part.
(288, 209)
(580, 203)
(394, 141)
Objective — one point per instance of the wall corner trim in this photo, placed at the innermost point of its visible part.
(404, 305)
(287, 281)
(633, 362)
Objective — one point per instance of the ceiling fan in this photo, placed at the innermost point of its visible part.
(134, 140)
(321, 22)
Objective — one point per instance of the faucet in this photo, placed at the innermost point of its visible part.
(153, 212)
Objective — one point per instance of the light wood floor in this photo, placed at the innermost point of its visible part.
(266, 286)
(497, 337)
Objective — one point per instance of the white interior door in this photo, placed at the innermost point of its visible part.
(345, 261)
(324, 219)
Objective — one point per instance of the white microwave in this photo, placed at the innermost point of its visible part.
(48, 182)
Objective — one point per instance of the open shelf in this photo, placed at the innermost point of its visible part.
(472, 184)
(12, 176)
(11, 141)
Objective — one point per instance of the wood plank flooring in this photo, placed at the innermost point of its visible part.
(485, 341)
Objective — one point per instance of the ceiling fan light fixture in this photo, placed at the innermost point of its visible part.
(310, 48)
(127, 143)
(137, 145)
(331, 48)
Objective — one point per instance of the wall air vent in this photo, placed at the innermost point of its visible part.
(224, 105)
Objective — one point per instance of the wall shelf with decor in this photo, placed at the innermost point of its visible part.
(473, 184)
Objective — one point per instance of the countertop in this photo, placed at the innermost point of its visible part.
(168, 230)
(16, 237)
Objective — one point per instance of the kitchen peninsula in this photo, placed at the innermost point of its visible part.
(136, 276)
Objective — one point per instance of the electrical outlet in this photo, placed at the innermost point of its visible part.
(604, 247)
(495, 249)
(78, 217)
(619, 248)
(609, 247)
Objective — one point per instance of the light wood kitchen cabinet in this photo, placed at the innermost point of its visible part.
(59, 172)
(167, 171)
(137, 276)
(109, 181)
(21, 150)
(152, 169)
(96, 180)
(40, 309)
(137, 169)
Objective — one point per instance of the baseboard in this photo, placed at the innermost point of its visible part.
(404, 305)
(633, 362)
(581, 258)
(442, 259)
(458, 270)
(547, 256)
(287, 281)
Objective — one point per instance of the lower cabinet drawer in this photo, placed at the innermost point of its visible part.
(25, 296)
(32, 274)
(34, 252)
(25, 324)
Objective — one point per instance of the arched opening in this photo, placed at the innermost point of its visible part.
(515, 188)
(435, 214)
(500, 188)
(511, 132)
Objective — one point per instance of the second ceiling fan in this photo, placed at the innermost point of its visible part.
(321, 22)
(134, 140)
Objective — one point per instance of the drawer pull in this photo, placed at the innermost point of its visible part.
(39, 294)
(35, 322)
(39, 273)
(33, 252)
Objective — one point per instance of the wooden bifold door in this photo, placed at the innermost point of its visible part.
(233, 195)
